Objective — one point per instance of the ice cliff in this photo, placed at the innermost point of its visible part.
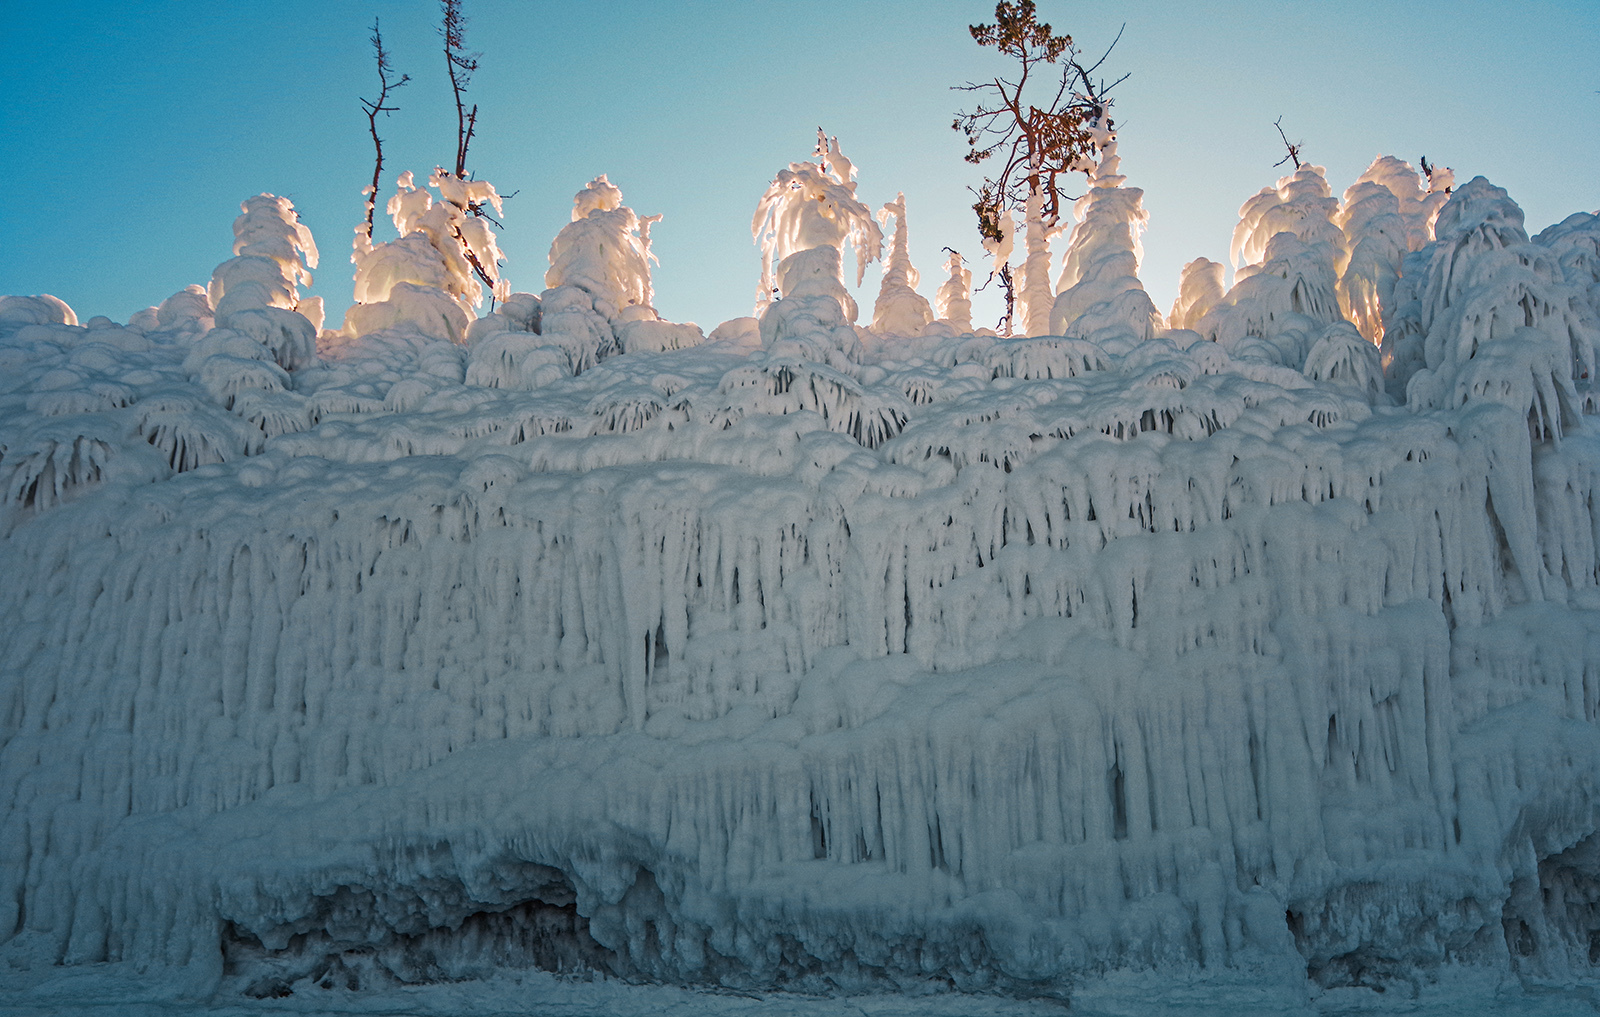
(843, 662)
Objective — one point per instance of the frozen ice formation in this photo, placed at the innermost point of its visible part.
(805, 655)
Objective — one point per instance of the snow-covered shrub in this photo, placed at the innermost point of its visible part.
(438, 258)
(189, 433)
(870, 414)
(520, 312)
(516, 360)
(256, 291)
(954, 299)
(575, 322)
(274, 412)
(224, 377)
(290, 335)
(1199, 289)
(656, 335)
(1043, 357)
(188, 310)
(427, 309)
(900, 309)
(54, 460)
(744, 332)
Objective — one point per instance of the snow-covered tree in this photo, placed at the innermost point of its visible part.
(999, 236)
(1099, 286)
(1481, 219)
(1037, 134)
(269, 242)
(257, 290)
(1035, 293)
(1386, 214)
(373, 107)
(599, 292)
(1492, 314)
(1287, 290)
(954, 299)
(1575, 241)
(900, 309)
(604, 249)
(1300, 203)
(802, 223)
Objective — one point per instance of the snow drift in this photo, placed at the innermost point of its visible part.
(828, 664)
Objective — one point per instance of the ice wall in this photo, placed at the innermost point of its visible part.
(966, 661)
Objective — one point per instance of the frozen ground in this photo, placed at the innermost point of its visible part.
(1459, 994)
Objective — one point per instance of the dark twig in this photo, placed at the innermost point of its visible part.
(1008, 289)
(1293, 146)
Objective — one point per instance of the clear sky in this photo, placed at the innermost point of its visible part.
(131, 131)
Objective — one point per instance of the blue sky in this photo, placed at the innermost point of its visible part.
(132, 131)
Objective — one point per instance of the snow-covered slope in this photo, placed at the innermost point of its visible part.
(849, 661)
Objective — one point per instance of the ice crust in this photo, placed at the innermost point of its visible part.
(805, 655)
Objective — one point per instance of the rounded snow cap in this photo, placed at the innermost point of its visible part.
(600, 195)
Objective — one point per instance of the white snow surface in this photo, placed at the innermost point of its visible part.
(809, 658)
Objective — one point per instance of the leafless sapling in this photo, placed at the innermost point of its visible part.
(461, 66)
(373, 109)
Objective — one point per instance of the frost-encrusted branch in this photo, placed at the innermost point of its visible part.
(1437, 181)
(373, 108)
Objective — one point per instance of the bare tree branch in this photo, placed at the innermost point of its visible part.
(461, 65)
(373, 109)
